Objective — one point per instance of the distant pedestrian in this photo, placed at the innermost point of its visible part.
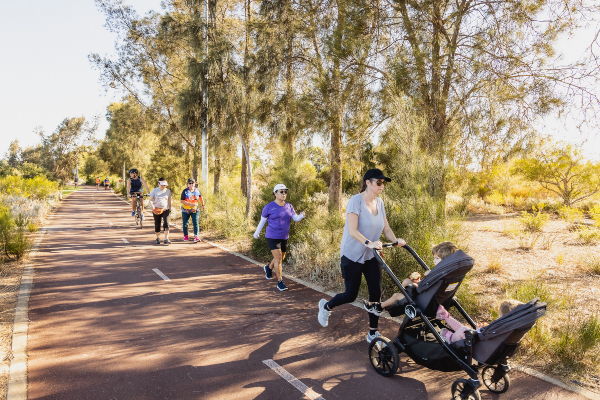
(97, 183)
(365, 221)
(76, 181)
(160, 201)
(278, 214)
(106, 183)
(189, 209)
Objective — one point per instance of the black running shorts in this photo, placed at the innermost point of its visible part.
(277, 244)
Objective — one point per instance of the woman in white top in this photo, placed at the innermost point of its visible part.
(160, 201)
(365, 222)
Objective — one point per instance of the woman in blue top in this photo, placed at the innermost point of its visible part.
(279, 215)
(365, 221)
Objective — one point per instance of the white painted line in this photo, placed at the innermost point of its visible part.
(125, 240)
(103, 214)
(110, 223)
(161, 274)
(308, 392)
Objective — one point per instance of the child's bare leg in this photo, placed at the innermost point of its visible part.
(395, 297)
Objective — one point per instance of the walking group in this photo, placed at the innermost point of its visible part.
(160, 203)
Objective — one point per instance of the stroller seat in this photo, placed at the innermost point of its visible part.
(438, 287)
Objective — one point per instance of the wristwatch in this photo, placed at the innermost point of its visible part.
(367, 242)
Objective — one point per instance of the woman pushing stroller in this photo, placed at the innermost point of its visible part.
(365, 222)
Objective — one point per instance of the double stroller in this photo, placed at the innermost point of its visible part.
(419, 334)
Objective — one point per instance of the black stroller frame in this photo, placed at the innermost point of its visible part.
(385, 359)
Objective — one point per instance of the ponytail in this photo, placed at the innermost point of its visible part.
(364, 186)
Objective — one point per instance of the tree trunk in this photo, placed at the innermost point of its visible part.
(217, 172)
(244, 177)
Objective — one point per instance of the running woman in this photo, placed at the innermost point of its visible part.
(97, 183)
(160, 201)
(106, 183)
(134, 185)
(189, 209)
(365, 221)
(76, 181)
(279, 215)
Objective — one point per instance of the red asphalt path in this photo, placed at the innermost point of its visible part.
(104, 325)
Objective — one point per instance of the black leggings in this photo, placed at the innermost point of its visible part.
(352, 273)
(164, 217)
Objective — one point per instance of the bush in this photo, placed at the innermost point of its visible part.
(574, 343)
(570, 215)
(534, 222)
(587, 236)
(38, 187)
(13, 239)
(590, 263)
(595, 214)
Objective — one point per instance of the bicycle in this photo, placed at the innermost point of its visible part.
(138, 209)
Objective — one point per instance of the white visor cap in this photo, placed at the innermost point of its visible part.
(279, 186)
(163, 183)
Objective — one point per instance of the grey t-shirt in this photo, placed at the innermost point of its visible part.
(161, 199)
(369, 225)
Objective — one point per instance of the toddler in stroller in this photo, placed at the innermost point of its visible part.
(419, 334)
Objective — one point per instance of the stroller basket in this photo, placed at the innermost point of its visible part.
(419, 334)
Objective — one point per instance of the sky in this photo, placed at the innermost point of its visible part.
(45, 74)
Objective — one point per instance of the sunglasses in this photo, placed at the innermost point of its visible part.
(283, 191)
(191, 183)
(379, 182)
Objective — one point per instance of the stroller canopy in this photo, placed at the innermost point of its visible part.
(519, 316)
(457, 261)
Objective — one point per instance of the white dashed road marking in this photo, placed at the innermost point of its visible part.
(161, 274)
(308, 392)
(125, 240)
(110, 223)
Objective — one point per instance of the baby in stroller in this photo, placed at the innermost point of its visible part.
(439, 251)
(459, 329)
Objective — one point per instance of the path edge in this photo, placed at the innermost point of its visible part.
(573, 388)
(17, 377)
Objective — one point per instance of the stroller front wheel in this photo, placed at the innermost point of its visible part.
(462, 390)
(384, 356)
(495, 379)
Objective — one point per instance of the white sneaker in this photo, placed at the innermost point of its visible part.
(323, 313)
(370, 337)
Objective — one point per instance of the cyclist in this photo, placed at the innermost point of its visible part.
(189, 209)
(279, 215)
(97, 183)
(160, 201)
(134, 185)
(106, 183)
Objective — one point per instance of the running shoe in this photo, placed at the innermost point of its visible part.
(281, 286)
(167, 241)
(185, 238)
(157, 241)
(196, 239)
(370, 337)
(133, 213)
(372, 307)
(323, 313)
(268, 272)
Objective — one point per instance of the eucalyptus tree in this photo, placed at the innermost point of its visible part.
(330, 44)
(483, 72)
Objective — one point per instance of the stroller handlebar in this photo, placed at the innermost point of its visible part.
(411, 251)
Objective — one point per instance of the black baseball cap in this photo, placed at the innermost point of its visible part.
(375, 174)
(191, 181)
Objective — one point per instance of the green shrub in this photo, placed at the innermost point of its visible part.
(535, 221)
(595, 214)
(571, 215)
(528, 290)
(590, 263)
(35, 188)
(587, 236)
(575, 341)
(13, 239)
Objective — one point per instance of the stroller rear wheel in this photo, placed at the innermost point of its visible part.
(495, 379)
(384, 356)
(462, 390)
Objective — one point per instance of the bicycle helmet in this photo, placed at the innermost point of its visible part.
(133, 171)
